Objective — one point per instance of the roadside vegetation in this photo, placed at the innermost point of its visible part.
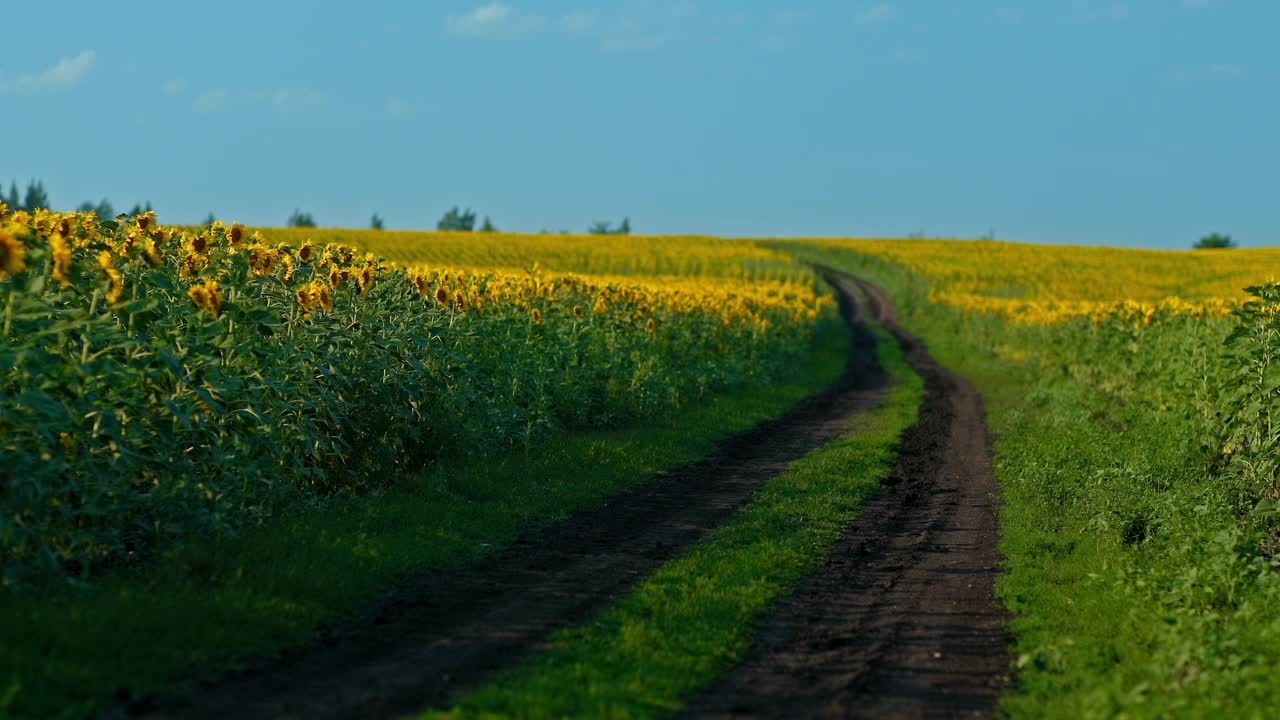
(1136, 452)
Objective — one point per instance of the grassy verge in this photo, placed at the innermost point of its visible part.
(686, 624)
(1137, 576)
(214, 602)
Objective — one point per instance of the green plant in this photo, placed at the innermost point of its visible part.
(1214, 241)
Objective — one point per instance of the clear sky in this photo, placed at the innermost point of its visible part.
(1145, 123)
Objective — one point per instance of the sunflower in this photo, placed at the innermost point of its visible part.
(146, 219)
(11, 253)
(323, 295)
(197, 244)
(207, 296)
(649, 326)
(314, 295)
(115, 281)
(151, 253)
(235, 233)
(60, 255)
(537, 316)
(420, 283)
(262, 259)
(306, 252)
(577, 312)
(365, 279)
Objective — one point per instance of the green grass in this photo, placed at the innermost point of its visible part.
(687, 623)
(1135, 571)
(214, 602)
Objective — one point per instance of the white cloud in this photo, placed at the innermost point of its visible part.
(1228, 69)
(580, 21)
(875, 14)
(297, 99)
(1093, 11)
(280, 100)
(64, 75)
(399, 107)
(484, 20)
(212, 101)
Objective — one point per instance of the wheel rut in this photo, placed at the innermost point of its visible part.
(438, 635)
(903, 620)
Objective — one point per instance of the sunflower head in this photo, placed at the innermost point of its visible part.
(60, 253)
(306, 252)
(577, 312)
(146, 219)
(235, 233)
(420, 284)
(536, 314)
(115, 281)
(365, 279)
(649, 326)
(207, 296)
(11, 253)
(442, 295)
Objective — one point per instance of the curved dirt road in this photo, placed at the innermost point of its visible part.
(903, 621)
(439, 635)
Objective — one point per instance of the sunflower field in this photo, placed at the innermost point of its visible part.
(161, 381)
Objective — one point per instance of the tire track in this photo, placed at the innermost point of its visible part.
(903, 620)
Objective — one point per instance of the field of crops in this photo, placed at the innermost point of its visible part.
(160, 385)
(160, 381)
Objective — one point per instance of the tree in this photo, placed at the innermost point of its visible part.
(139, 210)
(103, 209)
(13, 201)
(375, 222)
(211, 219)
(1214, 241)
(488, 225)
(301, 219)
(457, 220)
(600, 227)
(36, 196)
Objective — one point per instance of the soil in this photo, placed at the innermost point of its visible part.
(903, 620)
(440, 634)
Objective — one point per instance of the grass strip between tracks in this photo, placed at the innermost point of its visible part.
(693, 618)
(214, 602)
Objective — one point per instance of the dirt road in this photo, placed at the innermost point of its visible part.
(903, 621)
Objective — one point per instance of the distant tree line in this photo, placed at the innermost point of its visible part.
(37, 197)
(454, 220)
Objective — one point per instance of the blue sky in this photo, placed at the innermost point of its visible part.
(1144, 123)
